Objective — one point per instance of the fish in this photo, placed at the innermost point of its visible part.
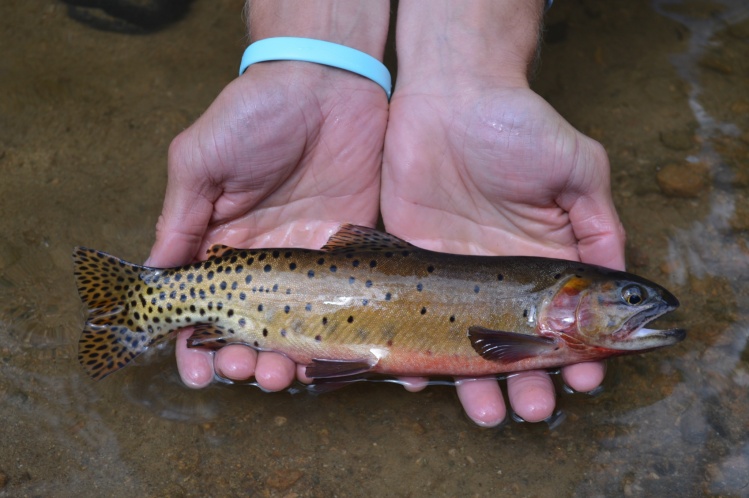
(368, 303)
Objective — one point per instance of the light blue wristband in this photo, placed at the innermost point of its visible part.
(320, 52)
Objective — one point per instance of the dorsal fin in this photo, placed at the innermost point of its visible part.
(355, 238)
(218, 250)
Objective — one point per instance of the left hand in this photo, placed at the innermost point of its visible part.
(480, 170)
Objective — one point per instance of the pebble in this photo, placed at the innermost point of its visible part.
(283, 479)
(740, 219)
(739, 30)
(683, 180)
(677, 139)
(279, 421)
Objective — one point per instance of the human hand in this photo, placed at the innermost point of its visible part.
(285, 153)
(477, 163)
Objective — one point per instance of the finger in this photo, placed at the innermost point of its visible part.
(482, 401)
(591, 209)
(187, 209)
(195, 365)
(413, 384)
(584, 377)
(235, 362)
(274, 371)
(531, 395)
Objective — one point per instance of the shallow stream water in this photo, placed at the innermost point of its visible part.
(86, 117)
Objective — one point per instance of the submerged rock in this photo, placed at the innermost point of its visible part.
(683, 180)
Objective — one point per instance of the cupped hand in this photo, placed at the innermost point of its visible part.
(283, 155)
(483, 170)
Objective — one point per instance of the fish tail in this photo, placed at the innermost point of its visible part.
(114, 332)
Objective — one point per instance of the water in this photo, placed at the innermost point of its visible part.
(85, 121)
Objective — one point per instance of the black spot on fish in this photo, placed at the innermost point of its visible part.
(261, 257)
(430, 269)
(476, 289)
(557, 276)
(355, 263)
(292, 266)
(308, 307)
(406, 253)
(222, 286)
(452, 318)
(242, 296)
(419, 287)
(207, 264)
(275, 287)
(265, 332)
(373, 263)
(276, 254)
(250, 261)
(266, 268)
(199, 279)
(311, 274)
(423, 311)
(256, 344)
(238, 269)
(333, 268)
(260, 307)
(500, 277)
(325, 320)
(229, 313)
(318, 338)
(287, 254)
(212, 289)
(321, 261)
(525, 313)
(288, 291)
(388, 296)
(351, 280)
(368, 283)
(365, 302)
(286, 309)
(350, 319)
(283, 332)
(248, 279)
(210, 275)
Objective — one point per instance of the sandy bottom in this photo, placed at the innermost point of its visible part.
(85, 121)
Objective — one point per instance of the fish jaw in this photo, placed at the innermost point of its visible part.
(633, 335)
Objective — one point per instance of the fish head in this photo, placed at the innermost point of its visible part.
(610, 310)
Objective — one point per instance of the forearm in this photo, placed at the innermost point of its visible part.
(494, 39)
(359, 24)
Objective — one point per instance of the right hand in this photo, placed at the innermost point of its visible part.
(284, 154)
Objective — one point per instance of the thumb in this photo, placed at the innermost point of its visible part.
(594, 220)
(187, 210)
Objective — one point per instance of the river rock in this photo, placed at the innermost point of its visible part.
(683, 180)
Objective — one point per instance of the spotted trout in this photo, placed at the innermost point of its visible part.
(370, 302)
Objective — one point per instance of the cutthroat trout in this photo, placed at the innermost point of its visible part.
(370, 302)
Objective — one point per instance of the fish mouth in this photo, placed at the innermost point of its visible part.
(634, 336)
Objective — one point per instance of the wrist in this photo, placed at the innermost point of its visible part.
(358, 24)
(482, 40)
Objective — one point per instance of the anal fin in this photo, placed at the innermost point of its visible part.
(325, 369)
(509, 347)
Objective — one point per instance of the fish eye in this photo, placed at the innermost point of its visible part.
(633, 295)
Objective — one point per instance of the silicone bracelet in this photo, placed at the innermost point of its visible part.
(320, 52)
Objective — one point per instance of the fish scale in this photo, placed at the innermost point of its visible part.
(367, 302)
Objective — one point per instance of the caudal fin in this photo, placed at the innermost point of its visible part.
(112, 336)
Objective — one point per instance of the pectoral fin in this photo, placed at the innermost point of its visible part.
(207, 335)
(323, 369)
(508, 347)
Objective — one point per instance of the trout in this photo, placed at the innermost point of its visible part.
(368, 302)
